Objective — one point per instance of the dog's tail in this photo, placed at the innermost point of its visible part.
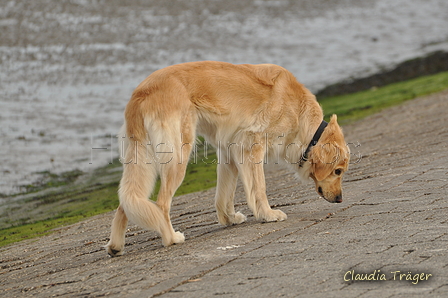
(139, 176)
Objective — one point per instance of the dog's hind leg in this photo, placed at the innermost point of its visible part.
(252, 176)
(116, 242)
(225, 192)
(172, 170)
(117, 235)
(171, 176)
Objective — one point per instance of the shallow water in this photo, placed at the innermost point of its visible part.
(67, 69)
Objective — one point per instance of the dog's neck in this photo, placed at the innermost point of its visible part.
(313, 142)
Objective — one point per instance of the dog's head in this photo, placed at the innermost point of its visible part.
(329, 161)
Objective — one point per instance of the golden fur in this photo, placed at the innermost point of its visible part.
(254, 114)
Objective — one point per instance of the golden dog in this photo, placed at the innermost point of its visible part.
(250, 113)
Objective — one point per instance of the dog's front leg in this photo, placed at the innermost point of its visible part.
(252, 176)
(225, 192)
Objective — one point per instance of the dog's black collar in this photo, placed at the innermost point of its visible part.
(313, 142)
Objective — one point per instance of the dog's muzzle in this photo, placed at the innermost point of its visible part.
(337, 198)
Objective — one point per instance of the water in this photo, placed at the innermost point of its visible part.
(67, 69)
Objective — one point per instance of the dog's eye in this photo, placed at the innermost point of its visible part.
(338, 172)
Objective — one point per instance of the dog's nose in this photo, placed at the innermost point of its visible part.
(338, 199)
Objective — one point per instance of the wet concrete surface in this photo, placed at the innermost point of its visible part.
(393, 218)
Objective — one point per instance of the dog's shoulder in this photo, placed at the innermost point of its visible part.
(267, 74)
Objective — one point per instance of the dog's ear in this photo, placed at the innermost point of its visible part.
(334, 119)
(324, 157)
(330, 151)
(267, 73)
(321, 167)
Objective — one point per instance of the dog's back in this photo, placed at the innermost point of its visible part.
(221, 98)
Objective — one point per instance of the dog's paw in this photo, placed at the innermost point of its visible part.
(239, 218)
(178, 237)
(274, 215)
(175, 237)
(228, 220)
(113, 251)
